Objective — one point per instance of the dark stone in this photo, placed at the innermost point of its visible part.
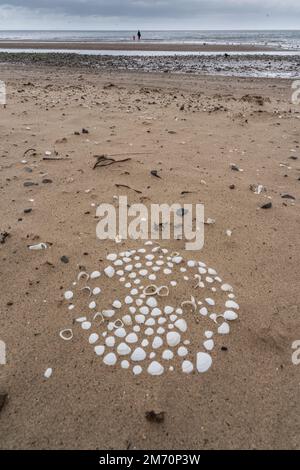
(232, 186)
(3, 237)
(287, 196)
(64, 259)
(268, 205)
(3, 398)
(155, 417)
(27, 211)
(154, 173)
(30, 183)
(46, 181)
(85, 131)
(224, 348)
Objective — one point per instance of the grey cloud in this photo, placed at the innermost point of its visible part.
(157, 8)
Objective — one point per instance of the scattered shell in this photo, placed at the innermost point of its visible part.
(127, 320)
(66, 334)
(109, 271)
(182, 351)
(181, 325)
(83, 274)
(125, 365)
(204, 361)
(232, 304)
(117, 304)
(110, 341)
(48, 373)
(227, 288)
(131, 338)
(187, 367)
(99, 350)
(157, 342)
(93, 338)
(173, 338)
(223, 329)
(68, 295)
(137, 370)
(155, 368)
(108, 313)
(151, 302)
(39, 246)
(167, 355)
(110, 359)
(95, 275)
(138, 354)
(123, 349)
(230, 315)
(209, 344)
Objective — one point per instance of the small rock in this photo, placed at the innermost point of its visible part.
(154, 173)
(27, 211)
(267, 205)
(232, 186)
(64, 259)
(3, 398)
(155, 417)
(29, 183)
(85, 131)
(47, 181)
(287, 196)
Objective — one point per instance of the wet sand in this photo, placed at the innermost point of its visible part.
(191, 129)
(132, 46)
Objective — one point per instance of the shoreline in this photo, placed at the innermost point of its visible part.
(134, 46)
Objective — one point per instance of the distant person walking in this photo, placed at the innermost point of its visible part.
(139, 35)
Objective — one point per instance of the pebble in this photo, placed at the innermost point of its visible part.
(138, 354)
(48, 373)
(110, 359)
(173, 338)
(155, 368)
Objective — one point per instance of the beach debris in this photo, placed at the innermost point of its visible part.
(209, 221)
(68, 295)
(66, 334)
(257, 188)
(48, 373)
(31, 150)
(234, 167)
(64, 259)
(266, 205)
(105, 160)
(228, 233)
(155, 173)
(155, 416)
(3, 399)
(3, 237)
(128, 187)
(39, 246)
(191, 303)
(288, 196)
(83, 274)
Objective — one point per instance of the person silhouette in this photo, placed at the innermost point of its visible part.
(139, 35)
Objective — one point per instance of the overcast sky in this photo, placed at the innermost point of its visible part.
(149, 14)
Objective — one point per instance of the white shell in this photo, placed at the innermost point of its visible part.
(128, 300)
(149, 331)
(168, 309)
(155, 368)
(127, 320)
(120, 332)
(117, 304)
(92, 305)
(93, 338)
(157, 342)
(137, 370)
(125, 365)
(156, 312)
(95, 274)
(203, 311)
(187, 367)
(151, 302)
(210, 301)
(108, 313)
(231, 304)
(110, 341)
(131, 338)
(223, 329)
(111, 257)
(123, 349)
(204, 361)
(48, 373)
(68, 295)
(209, 344)
(140, 319)
(138, 354)
(96, 290)
(167, 355)
(150, 322)
(109, 271)
(230, 315)
(181, 325)
(173, 338)
(227, 288)
(110, 359)
(182, 351)
(144, 310)
(160, 330)
(86, 325)
(99, 350)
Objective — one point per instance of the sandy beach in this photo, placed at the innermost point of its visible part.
(195, 131)
(133, 46)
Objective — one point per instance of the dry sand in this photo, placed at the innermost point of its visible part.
(250, 396)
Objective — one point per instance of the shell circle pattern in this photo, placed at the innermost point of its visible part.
(148, 329)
